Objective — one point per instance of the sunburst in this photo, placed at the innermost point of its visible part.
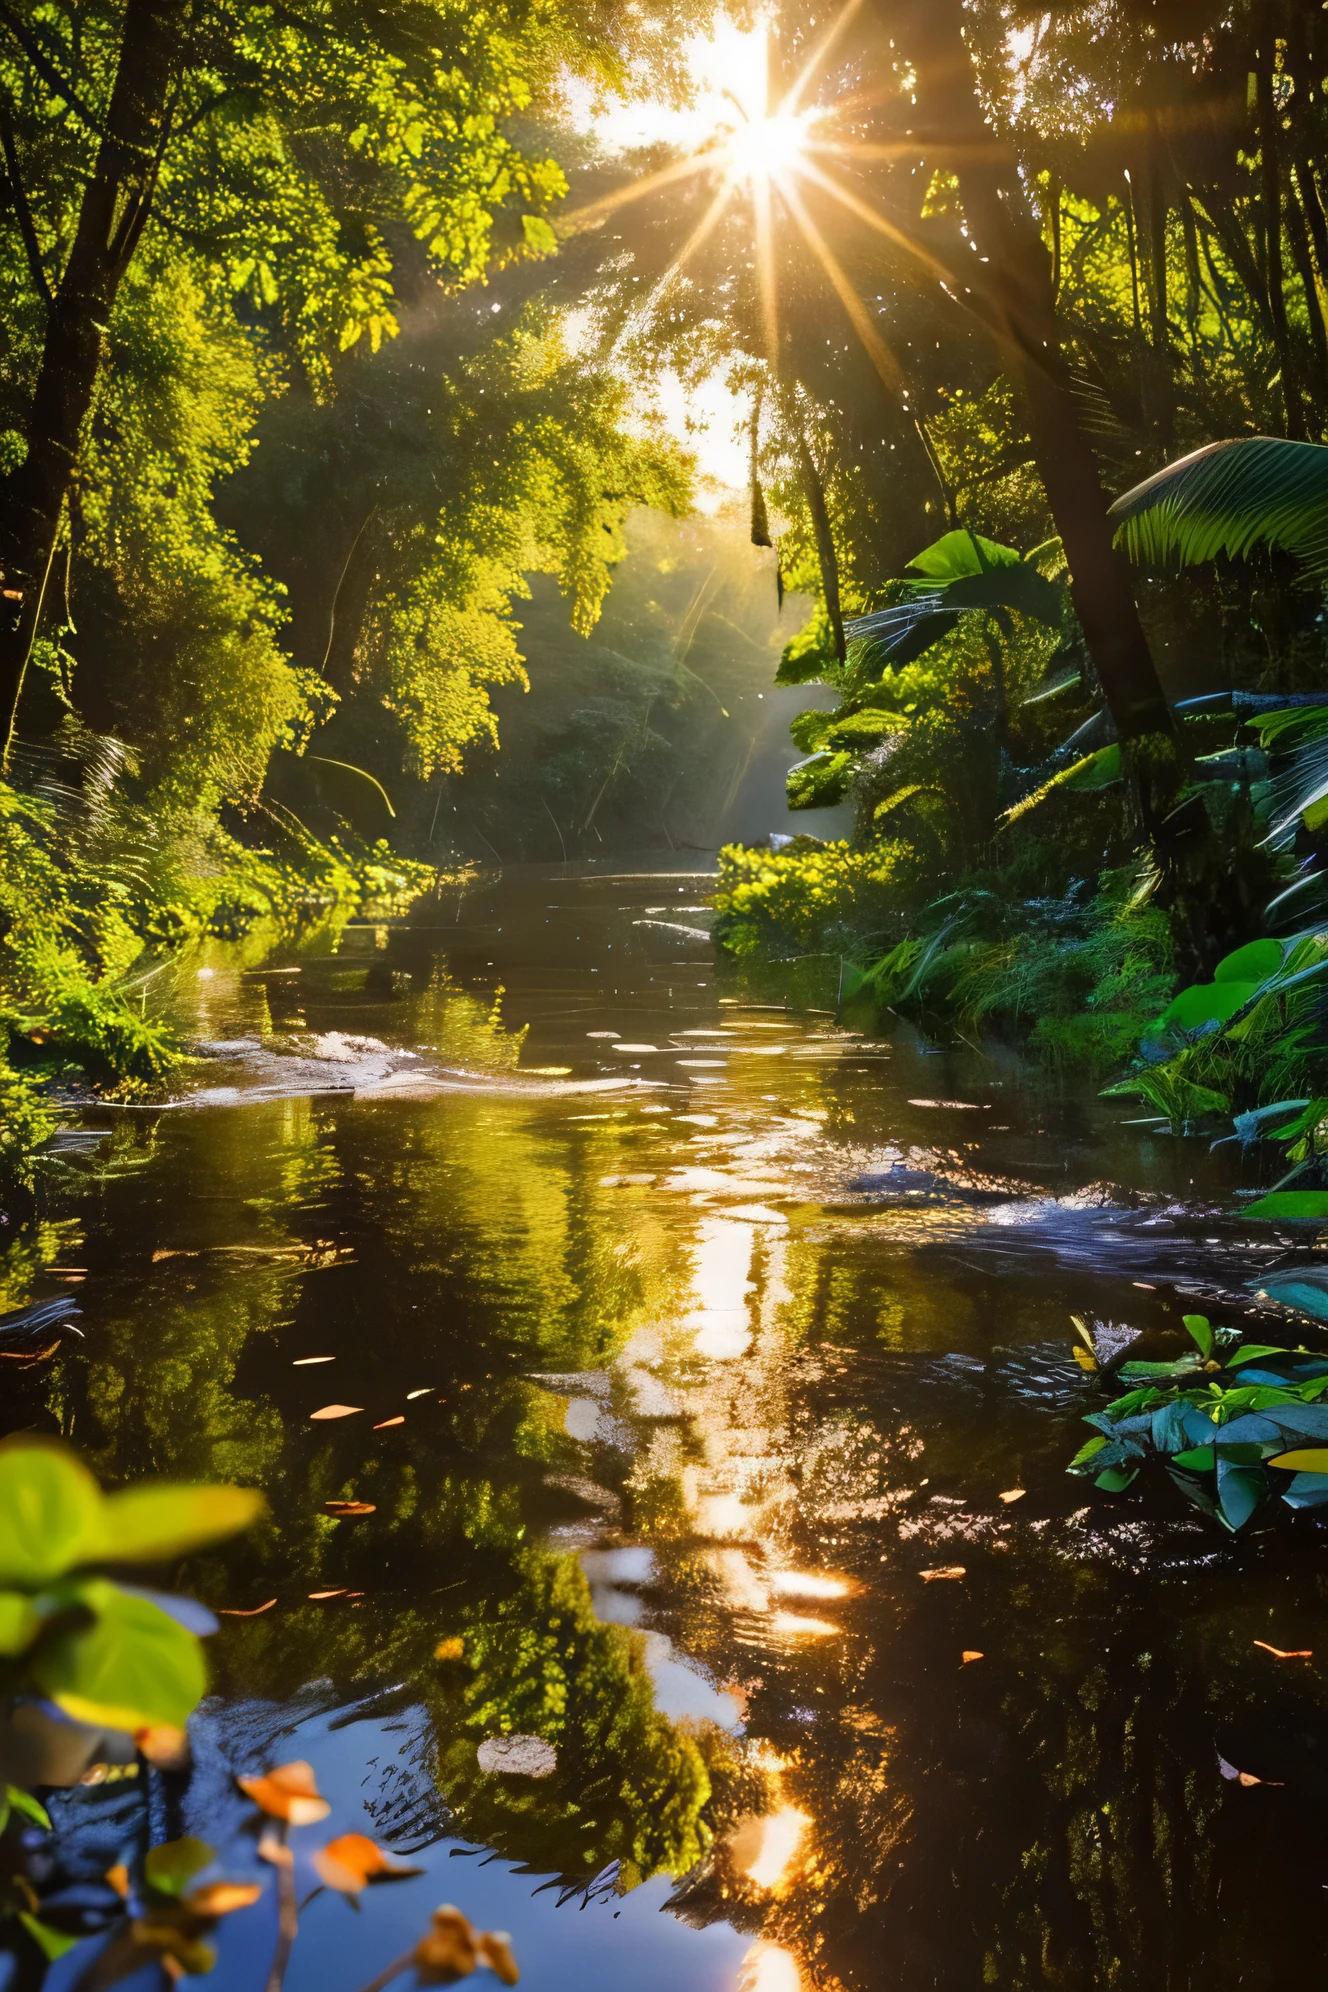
(763, 157)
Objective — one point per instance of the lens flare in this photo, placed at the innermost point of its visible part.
(767, 149)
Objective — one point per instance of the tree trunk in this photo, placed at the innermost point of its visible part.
(1270, 177)
(115, 206)
(1016, 299)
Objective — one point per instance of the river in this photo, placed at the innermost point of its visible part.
(706, 1367)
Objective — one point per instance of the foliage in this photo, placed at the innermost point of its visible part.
(1229, 498)
(804, 898)
(1255, 1428)
(102, 1654)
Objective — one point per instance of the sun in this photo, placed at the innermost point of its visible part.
(765, 149)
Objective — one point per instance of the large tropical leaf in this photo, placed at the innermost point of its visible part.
(959, 572)
(1231, 498)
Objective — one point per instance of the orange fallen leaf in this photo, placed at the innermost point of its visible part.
(352, 1861)
(341, 1593)
(222, 1898)
(289, 1792)
(495, 1947)
(164, 1746)
(1013, 1494)
(453, 1947)
(450, 1649)
(1278, 1654)
(970, 1653)
(947, 1570)
(344, 1509)
(234, 1612)
(118, 1878)
(337, 1411)
(389, 1421)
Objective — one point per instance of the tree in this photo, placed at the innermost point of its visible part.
(306, 156)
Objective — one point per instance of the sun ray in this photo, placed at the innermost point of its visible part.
(593, 212)
(877, 351)
(819, 55)
(881, 223)
(763, 209)
(699, 234)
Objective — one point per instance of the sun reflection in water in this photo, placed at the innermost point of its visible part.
(767, 1968)
(764, 1849)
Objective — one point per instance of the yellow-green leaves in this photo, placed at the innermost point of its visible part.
(169, 1518)
(50, 1515)
(54, 1518)
(102, 1654)
(131, 1668)
(19, 1623)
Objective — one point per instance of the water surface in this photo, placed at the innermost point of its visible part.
(689, 1333)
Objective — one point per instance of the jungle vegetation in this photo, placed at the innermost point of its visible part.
(323, 347)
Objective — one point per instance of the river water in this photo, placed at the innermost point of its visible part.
(706, 1364)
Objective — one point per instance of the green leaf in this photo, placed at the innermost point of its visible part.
(961, 553)
(1198, 1329)
(1096, 771)
(133, 1668)
(52, 1943)
(167, 1518)
(19, 1623)
(1230, 498)
(31, 1808)
(539, 235)
(1204, 1003)
(1239, 1492)
(819, 781)
(1199, 1459)
(1252, 963)
(50, 1514)
(1296, 1206)
(1116, 1479)
(1087, 1450)
(171, 1867)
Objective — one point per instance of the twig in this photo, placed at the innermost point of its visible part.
(393, 1970)
(288, 1909)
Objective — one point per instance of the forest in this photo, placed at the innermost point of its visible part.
(369, 544)
(325, 441)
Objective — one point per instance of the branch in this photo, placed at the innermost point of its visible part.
(26, 226)
(48, 70)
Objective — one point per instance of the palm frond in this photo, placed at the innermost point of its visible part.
(1231, 498)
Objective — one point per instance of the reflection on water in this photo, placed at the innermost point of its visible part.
(690, 1417)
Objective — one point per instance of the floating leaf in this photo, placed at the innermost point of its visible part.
(400, 1420)
(1306, 1653)
(289, 1792)
(345, 1510)
(971, 1653)
(450, 1649)
(234, 1611)
(1012, 1494)
(946, 1572)
(336, 1411)
(495, 1949)
(351, 1862)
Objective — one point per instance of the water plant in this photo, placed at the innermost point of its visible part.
(1235, 1423)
